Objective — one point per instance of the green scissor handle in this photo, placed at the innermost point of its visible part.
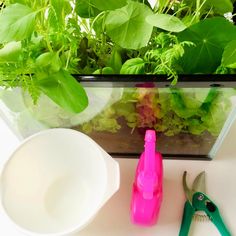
(187, 219)
(218, 222)
(202, 203)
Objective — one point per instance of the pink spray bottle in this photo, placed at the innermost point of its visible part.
(147, 188)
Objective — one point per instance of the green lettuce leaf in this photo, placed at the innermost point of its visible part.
(64, 90)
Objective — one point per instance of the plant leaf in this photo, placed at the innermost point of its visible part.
(218, 6)
(10, 52)
(146, 2)
(166, 22)
(127, 26)
(104, 71)
(61, 6)
(85, 9)
(49, 62)
(116, 61)
(210, 36)
(64, 90)
(17, 22)
(108, 4)
(133, 66)
(24, 2)
(163, 4)
(222, 6)
(99, 24)
(57, 12)
(229, 55)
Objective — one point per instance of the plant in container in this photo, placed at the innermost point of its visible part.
(47, 47)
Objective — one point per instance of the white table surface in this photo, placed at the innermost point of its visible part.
(113, 219)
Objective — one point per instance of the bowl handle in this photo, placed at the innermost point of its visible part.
(113, 176)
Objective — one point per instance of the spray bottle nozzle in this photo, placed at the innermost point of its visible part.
(147, 178)
(150, 136)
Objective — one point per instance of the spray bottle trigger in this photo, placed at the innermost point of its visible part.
(147, 183)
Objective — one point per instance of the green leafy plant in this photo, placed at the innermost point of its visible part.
(44, 43)
(210, 37)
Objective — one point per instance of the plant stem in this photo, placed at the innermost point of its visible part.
(68, 59)
(95, 19)
(197, 13)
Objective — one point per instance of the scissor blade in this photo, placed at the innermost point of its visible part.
(199, 184)
(187, 191)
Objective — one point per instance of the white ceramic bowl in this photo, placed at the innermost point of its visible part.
(56, 181)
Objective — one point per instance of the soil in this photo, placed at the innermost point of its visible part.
(126, 141)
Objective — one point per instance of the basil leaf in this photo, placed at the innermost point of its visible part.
(210, 37)
(133, 66)
(17, 22)
(166, 22)
(127, 26)
(229, 55)
(64, 90)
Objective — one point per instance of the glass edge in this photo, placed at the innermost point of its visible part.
(162, 81)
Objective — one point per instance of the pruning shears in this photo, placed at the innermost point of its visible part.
(199, 203)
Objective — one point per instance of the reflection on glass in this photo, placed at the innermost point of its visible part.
(188, 121)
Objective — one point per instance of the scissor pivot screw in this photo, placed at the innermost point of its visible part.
(200, 197)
